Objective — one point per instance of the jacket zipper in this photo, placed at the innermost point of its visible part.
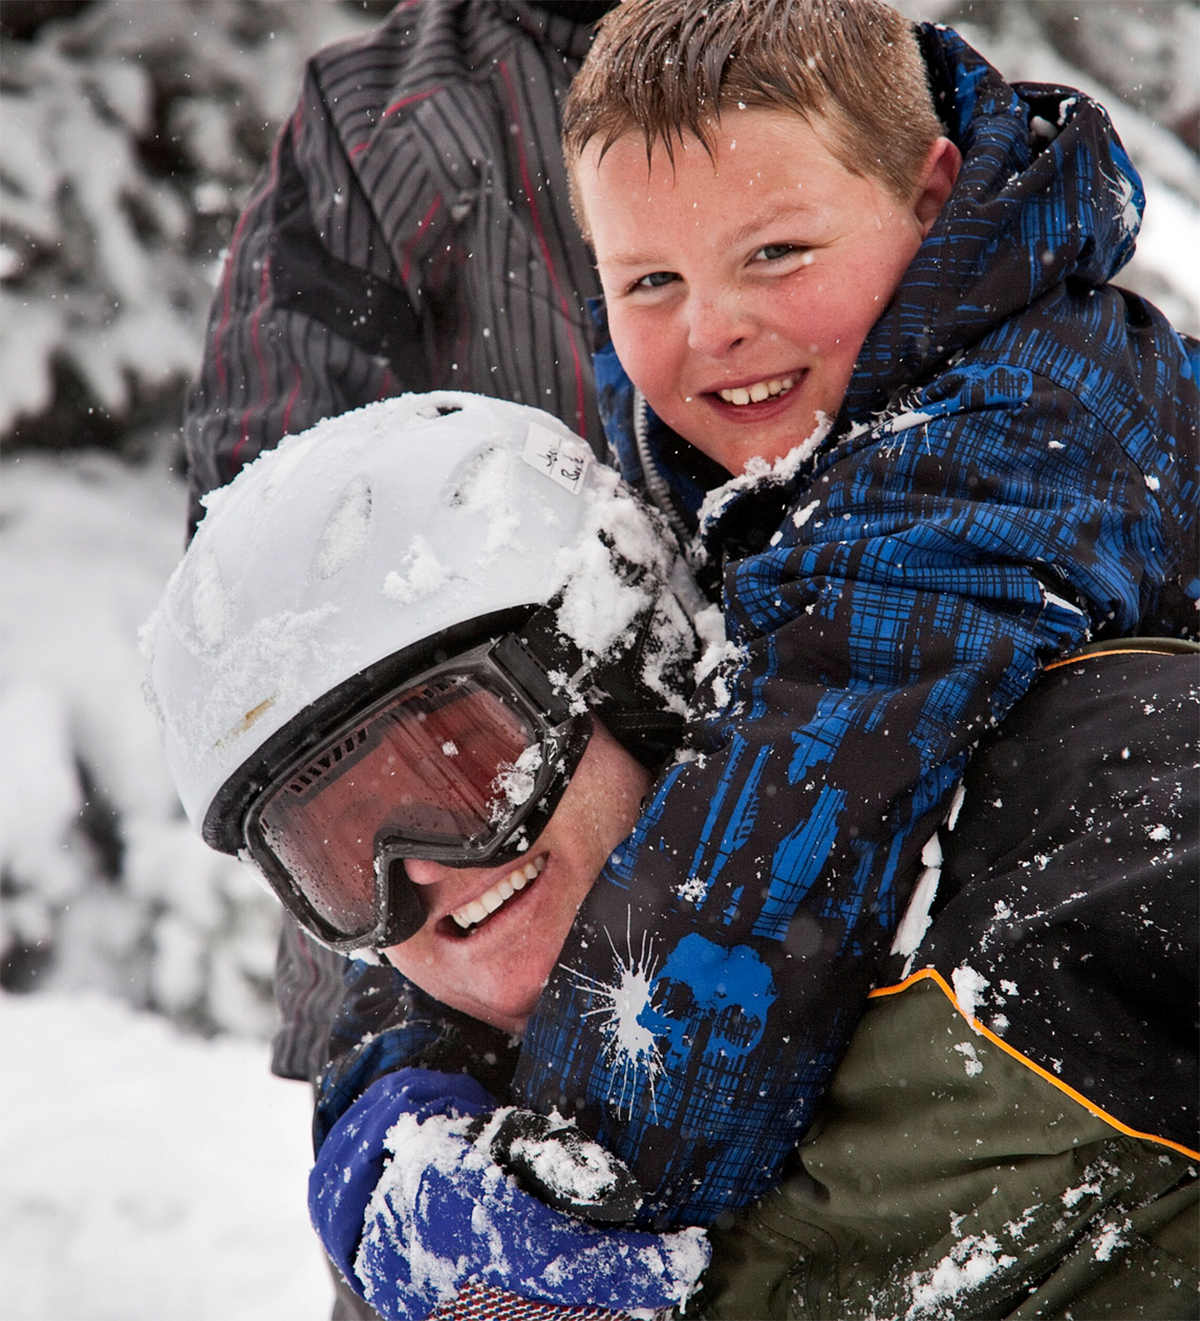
(656, 483)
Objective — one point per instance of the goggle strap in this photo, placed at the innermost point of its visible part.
(614, 688)
(529, 660)
(555, 652)
(551, 653)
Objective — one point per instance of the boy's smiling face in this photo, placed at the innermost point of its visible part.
(740, 286)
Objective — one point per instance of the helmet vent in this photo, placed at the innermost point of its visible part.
(345, 530)
(211, 609)
(478, 484)
(332, 757)
(433, 410)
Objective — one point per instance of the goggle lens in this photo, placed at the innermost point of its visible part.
(444, 766)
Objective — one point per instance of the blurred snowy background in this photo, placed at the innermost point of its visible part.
(151, 1170)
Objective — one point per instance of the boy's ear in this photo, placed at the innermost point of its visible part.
(937, 182)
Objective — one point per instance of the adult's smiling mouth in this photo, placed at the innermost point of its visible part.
(471, 915)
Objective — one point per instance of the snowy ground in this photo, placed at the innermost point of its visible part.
(149, 1176)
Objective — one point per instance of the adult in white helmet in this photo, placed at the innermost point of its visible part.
(484, 846)
(419, 663)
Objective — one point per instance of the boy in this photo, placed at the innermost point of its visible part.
(984, 456)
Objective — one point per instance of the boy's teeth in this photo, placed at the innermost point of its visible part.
(470, 914)
(760, 390)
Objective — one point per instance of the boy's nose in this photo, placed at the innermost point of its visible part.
(717, 324)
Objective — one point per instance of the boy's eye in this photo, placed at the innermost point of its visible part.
(774, 251)
(655, 279)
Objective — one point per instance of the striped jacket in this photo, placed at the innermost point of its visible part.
(411, 231)
(1014, 472)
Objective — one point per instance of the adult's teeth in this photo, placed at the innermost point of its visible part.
(760, 390)
(470, 914)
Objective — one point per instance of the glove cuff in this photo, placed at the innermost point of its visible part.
(477, 1301)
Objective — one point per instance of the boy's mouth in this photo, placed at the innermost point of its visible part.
(742, 395)
(479, 910)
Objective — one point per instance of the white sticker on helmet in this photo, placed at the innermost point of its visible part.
(563, 459)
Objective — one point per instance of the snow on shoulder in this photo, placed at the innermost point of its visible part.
(759, 473)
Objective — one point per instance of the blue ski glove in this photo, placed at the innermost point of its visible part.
(411, 1204)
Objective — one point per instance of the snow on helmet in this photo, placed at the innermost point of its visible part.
(390, 537)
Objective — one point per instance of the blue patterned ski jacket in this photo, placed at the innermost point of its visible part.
(1013, 473)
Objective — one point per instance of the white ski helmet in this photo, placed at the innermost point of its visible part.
(384, 541)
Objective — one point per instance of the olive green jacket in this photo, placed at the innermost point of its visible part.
(950, 1178)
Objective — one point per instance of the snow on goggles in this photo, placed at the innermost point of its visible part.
(464, 764)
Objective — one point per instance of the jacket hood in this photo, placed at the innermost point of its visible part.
(1047, 197)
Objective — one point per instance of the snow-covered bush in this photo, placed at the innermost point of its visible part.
(105, 884)
(131, 133)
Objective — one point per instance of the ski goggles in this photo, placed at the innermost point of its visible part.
(463, 764)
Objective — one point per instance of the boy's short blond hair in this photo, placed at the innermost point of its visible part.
(669, 67)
